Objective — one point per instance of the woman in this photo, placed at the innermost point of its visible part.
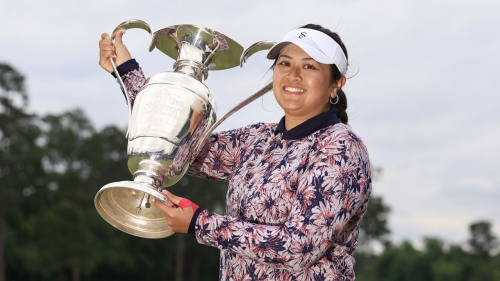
(297, 189)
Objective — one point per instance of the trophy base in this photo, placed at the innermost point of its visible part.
(128, 206)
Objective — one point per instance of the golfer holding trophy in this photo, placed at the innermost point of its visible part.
(298, 189)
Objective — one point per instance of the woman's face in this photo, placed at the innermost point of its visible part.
(301, 85)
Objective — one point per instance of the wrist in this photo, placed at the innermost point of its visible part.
(126, 67)
(192, 224)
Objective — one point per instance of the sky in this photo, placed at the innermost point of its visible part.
(422, 85)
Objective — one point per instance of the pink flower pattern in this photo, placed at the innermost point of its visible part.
(293, 207)
(133, 81)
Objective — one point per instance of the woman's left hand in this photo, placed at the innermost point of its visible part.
(178, 218)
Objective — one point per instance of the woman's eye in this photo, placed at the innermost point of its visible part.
(283, 62)
(309, 66)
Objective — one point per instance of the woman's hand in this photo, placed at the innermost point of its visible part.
(178, 218)
(108, 50)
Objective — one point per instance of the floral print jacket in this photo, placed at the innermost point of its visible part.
(295, 198)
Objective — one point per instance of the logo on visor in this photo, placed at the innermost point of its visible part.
(302, 35)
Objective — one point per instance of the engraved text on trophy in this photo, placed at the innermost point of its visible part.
(164, 114)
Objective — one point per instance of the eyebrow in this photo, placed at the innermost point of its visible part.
(289, 57)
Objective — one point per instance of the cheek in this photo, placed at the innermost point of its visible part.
(277, 75)
(277, 97)
(321, 86)
(275, 87)
(277, 80)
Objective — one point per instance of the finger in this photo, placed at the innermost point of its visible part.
(167, 209)
(106, 43)
(177, 219)
(105, 55)
(118, 36)
(186, 203)
(107, 48)
(172, 198)
(104, 49)
(105, 36)
(162, 206)
(165, 201)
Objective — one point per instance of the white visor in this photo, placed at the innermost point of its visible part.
(321, 47)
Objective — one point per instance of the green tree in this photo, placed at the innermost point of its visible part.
(434, 249)
(445, 270)
(482, 241)
(21, 171)
(79, 162)
(442, 265)
(60, 235)
(374, 228)
(402, 262)
(373, 232)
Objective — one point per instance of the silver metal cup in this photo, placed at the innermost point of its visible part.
(170, 120)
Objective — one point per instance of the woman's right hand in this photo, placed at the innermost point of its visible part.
(108, 50)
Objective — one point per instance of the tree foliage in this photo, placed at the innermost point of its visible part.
(374, 228)
(482, 241)
(21, 171)
(438, 261)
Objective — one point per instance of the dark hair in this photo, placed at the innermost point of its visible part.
(341, 105)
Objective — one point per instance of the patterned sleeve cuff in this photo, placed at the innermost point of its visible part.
(126, 67)
(192, 224)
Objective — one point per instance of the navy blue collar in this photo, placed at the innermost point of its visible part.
(308, 127)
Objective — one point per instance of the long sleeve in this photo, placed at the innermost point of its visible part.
(133, 78)
(331, 196)
(219, 156)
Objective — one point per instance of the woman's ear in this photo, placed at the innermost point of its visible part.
(342, 81)
(337, 87)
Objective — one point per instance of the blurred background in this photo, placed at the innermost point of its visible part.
(423, 94)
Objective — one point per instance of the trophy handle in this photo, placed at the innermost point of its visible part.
(129, 24)
(254, 48)
(240, 105)
(248, 52)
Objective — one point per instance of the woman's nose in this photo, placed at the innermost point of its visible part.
(294, 73)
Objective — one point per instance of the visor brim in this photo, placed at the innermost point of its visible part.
(314, 53)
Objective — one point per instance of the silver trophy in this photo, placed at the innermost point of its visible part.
(172, 116)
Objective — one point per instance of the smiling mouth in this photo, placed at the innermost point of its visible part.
(294, 90)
